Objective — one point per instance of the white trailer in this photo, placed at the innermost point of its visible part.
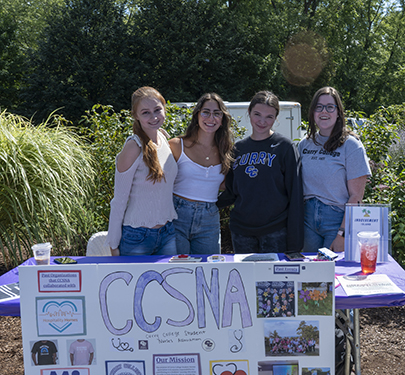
(288, 121)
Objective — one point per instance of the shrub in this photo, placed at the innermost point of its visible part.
(379, 134)
(46, 179)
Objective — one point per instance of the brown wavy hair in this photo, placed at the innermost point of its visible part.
(339, 132)
(223, 136)
(149, 152)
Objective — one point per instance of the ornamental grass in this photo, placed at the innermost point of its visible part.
(46, 182)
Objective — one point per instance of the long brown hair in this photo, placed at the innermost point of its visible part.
(223, 136)
(339, 132)
(149, 152)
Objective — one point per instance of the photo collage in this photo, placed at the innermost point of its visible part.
(291, 327)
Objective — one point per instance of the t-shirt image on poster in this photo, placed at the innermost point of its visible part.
(81, 352)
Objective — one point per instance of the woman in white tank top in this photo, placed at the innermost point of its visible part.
(203, 158)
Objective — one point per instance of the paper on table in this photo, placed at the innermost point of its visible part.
(9, 291)
(368, 285)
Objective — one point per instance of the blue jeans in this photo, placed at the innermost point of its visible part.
(148, 241)
(275, 242)
(197, 227)
(321, 224)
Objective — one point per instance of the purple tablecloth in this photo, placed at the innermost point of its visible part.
(394, 271)
(342, 301)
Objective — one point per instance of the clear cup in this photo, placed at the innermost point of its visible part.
(42, 253)
(368, 244)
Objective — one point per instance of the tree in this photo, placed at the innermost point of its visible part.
(364, 46)
(99, 51)
(274, 335)
(191, 47)
(21, 23)
(308, 331)
(29, 18)
(10, 62)
(83, 59)
(356, 46)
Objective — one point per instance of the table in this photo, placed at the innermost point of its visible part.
(342, 301)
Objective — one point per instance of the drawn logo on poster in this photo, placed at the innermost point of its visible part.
(125, 367)
(230, 367)
(60, 316)
(208, 345)
(143, 345)
(236, 340)
(121, 346)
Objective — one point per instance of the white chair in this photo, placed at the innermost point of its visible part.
(97, 247)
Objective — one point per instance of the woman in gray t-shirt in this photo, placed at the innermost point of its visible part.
(334, 171)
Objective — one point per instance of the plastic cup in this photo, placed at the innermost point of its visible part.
(368, 244)
(42, 253)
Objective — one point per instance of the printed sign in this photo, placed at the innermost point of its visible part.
(179, 364)
(59, 281)
(367, 218)
(287, 269)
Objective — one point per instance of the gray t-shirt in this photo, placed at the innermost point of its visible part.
(325, 174)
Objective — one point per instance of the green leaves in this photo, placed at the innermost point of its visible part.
(379, 134)
(84, 58)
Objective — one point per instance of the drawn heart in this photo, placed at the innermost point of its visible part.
(125, 345)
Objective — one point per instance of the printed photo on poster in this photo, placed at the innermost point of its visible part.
(315, 371)
(60, 316)
(234, 367)
(275, 299)
(278, 368)
(81, 352)
(315, 298)
(44, 352)
(291, 338)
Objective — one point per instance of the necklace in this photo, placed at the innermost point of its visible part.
(207, 157)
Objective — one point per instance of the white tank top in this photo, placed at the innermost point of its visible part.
(193, 181)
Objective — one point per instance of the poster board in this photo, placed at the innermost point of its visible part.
(186, 319)
(367, 217)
